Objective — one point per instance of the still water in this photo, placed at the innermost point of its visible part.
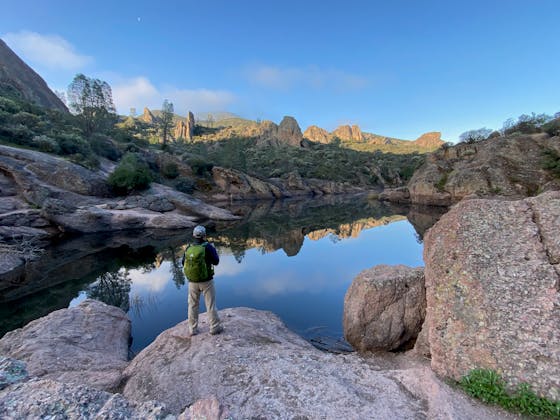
(296, 259)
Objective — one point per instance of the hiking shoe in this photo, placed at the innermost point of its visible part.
(193, 331)
(218, 330)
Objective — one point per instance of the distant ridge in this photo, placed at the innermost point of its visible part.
(18, 78)
(353, 133)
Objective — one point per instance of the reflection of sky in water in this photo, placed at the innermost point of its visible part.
(306, 290)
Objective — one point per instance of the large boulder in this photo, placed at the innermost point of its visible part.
(395, 195)
(384, 308)
(87, 344)
(493, 295)
(237, 185)
(257, 368)
(503, 166)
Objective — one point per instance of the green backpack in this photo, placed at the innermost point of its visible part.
(195, 267)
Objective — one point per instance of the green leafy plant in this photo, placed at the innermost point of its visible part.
(551, 162)
(170, 170)
(131, 174)
(440, 185)
(488, 386)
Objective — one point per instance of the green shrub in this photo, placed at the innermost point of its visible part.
(104, 146)
(26, 118)
(170, 170)
(552, 128)
(185, 185)
(200, 166)
(18, 134)
(551, 162)
(71, 143)
(46, 144)
(89, 161)
(440, 185)
(9, 105)
(132, 173)
(488, 386)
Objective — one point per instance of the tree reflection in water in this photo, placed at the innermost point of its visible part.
(140, 304)
(175, 255)
(112, 288)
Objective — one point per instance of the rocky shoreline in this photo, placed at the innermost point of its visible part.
(488, 308)
(256, 368)
(45, 196)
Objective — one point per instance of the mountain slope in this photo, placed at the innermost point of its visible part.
(18, 79)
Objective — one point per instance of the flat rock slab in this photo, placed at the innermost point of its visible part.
(87, 344)
(257, 368)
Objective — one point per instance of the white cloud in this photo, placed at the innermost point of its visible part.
(153, 281)
(135, 93)
(139, 92)
(51, 51)
(309, 77)
(228, 267)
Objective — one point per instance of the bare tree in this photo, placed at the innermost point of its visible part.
(473, 136)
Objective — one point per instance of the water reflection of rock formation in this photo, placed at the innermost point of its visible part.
(272, 225)
(64, 270)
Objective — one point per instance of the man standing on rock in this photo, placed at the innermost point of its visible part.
(199, 259)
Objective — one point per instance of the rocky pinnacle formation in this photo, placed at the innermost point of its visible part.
(317, 134)
(185, 129)
(345, 132)
(147, 116)
(289, 131)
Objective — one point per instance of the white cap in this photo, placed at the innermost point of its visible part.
(199, 231)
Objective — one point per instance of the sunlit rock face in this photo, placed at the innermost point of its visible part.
(430, 140)
(504, 166)
(185, 129)
(289, 131)
(492, 286)
(148, 117)
(317, 134)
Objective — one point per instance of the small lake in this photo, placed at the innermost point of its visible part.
(294, 258)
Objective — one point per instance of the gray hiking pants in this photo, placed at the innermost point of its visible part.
(207, 289)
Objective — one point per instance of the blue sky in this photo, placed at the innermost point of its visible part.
(398, 68)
